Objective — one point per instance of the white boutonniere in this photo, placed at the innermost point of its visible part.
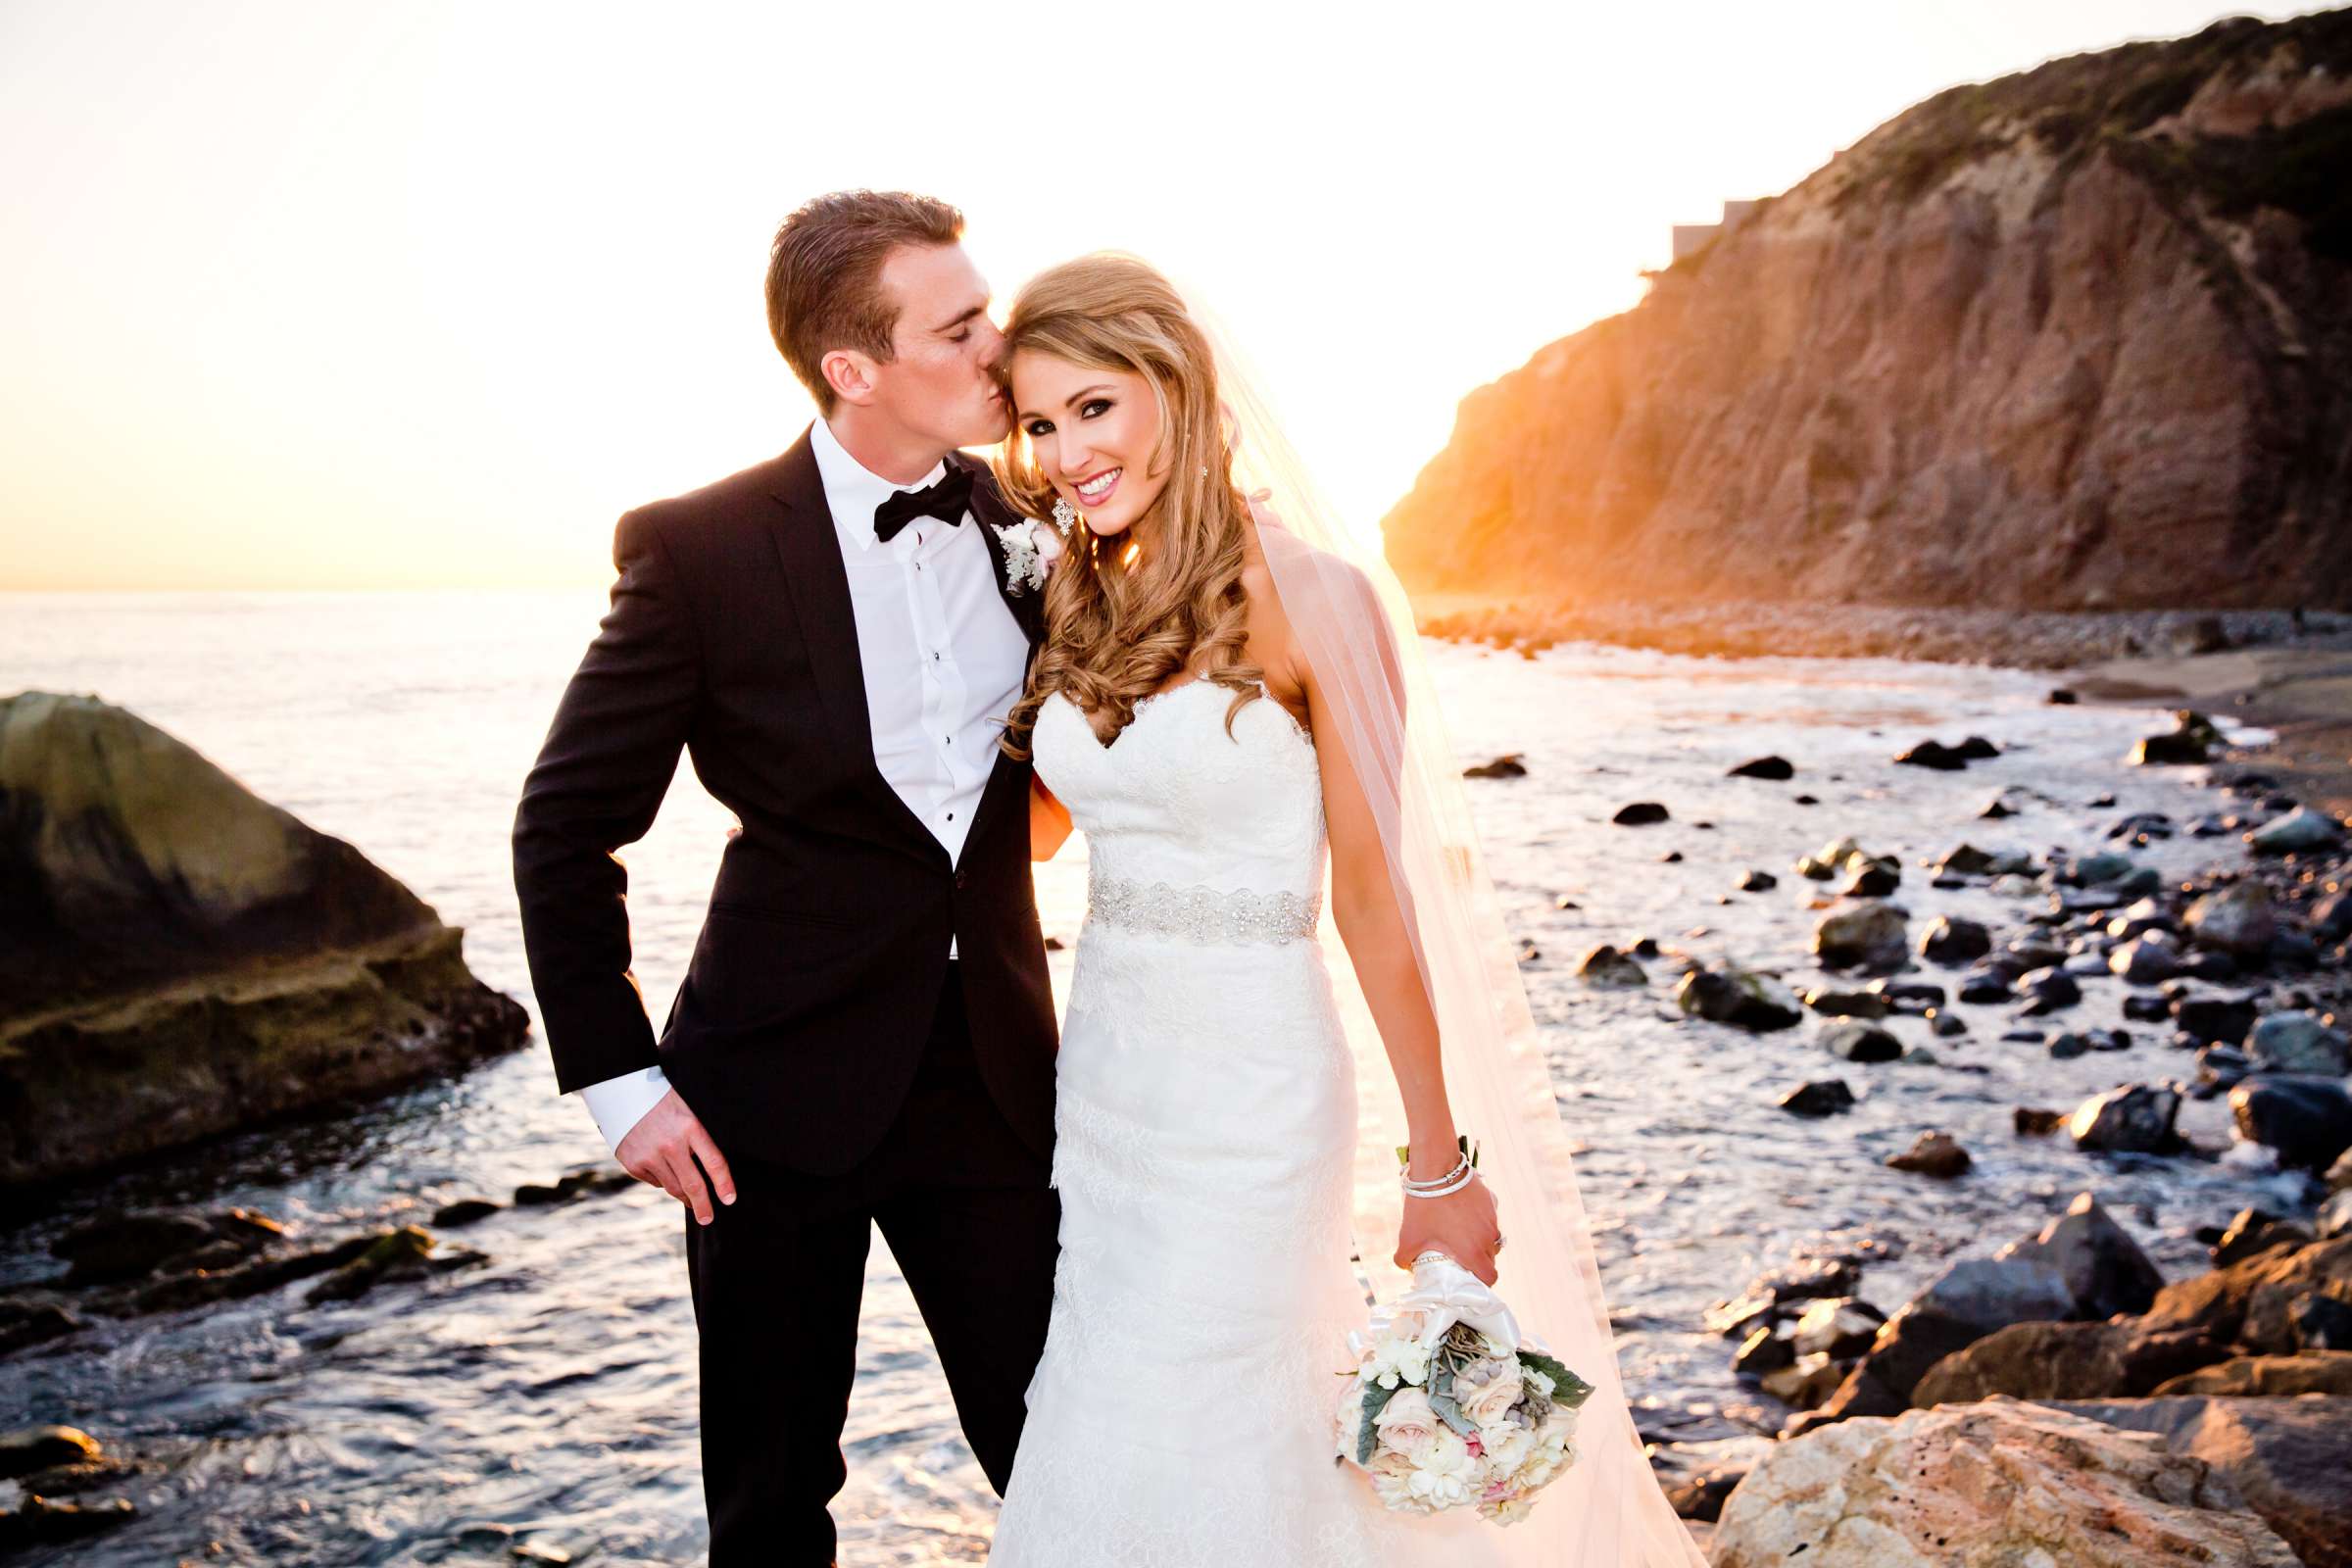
(1030, 551)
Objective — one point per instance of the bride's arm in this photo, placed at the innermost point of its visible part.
(1049, 821)
(1371, 922)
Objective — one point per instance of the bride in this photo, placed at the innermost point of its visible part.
(1231, 715)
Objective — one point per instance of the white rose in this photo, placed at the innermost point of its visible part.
(1507, 1446)
(1487, 1389)
(1407, 1423)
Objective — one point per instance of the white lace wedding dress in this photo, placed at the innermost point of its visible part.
(1182, 1413)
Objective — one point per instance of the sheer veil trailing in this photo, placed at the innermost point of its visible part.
(1357, 630)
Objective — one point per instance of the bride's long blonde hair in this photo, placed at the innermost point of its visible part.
(1125, 614)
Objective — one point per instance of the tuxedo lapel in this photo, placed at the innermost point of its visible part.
(810, 550)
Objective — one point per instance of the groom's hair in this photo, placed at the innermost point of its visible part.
(824, 275)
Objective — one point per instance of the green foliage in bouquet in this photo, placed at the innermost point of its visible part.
(1367, 1437)
(1566, 1386)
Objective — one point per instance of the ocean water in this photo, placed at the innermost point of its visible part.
(549, 1393)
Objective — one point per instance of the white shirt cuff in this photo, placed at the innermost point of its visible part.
(619, 1103)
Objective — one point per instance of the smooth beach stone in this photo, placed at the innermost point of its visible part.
(2301, 829)
(2331, 916)
(1758, 882)
(2235, 919)
(2307, 1121)
(1935, 1154)
(2104, 1269)
(1730, 994)
(2297, 1041)
(1861, 1042)
(2142, 827)
(2222, 1067)
(1639, 813)
(2101, 867)
(1933, 754)
(1835, 1004)
(2048, 991)
(1821, 1097)
(2216, 1020)
(1512, 764)
(1870, 935)
(2140, 917)
(2160, 750)
(1984, 989)
(2069, 1045)
(1604, 965)
(2146, 960)
(1766, 768)
(1909, 996)
(1872, 879)
(1952, 941)
(2131, 1118)
(1966, 859)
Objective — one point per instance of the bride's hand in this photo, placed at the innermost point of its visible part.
(1460, 1224)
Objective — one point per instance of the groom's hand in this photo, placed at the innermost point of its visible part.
(669, 1148)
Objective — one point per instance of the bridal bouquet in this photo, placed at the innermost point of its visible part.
(1449, 1406)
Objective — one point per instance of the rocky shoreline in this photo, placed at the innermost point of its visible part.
(2222, 1401)
(2285, 670)
(154, 1263)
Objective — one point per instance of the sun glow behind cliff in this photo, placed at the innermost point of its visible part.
(333, 297)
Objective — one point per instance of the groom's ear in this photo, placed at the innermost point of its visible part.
(849, 373)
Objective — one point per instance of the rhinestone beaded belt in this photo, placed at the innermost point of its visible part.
(1200, 913)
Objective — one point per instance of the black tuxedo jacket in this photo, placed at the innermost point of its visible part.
(805, 1010)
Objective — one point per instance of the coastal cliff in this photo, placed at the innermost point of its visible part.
(2077, 338)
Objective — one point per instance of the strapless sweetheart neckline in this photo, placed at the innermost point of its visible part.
(1149, 698)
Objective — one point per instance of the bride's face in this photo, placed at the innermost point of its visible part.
(1093, 433)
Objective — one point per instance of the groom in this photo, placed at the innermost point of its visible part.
(865, 1033)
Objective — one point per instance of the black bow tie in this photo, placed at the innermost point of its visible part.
(946, 500)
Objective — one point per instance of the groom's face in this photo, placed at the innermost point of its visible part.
(940, 383)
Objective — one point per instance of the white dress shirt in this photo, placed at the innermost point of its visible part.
(944, 662)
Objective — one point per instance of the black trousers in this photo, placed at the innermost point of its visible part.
(777, 1275)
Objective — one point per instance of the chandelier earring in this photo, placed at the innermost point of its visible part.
(1065, 516)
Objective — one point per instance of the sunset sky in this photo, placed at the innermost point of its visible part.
(340, 296)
